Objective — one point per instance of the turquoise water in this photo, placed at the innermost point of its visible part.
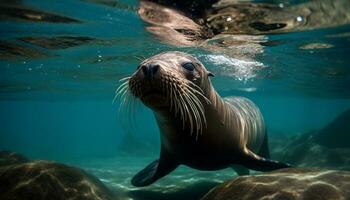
(58, 105)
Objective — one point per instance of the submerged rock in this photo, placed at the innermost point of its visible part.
(311, 154)
(337, 133)
(327, 148)
(286, 184)
(49, 180)
(10, 158)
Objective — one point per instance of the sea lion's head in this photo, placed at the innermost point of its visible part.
(171, 81)
(168, 77)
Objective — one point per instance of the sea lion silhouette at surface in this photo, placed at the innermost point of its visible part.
(198, 128)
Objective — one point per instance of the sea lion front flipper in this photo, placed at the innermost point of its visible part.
(154, 171)
(255, 162)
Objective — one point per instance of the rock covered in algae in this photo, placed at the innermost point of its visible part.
(10, 158)
(49, 180)
(286, 184)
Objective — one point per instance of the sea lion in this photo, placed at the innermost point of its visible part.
(197, 127)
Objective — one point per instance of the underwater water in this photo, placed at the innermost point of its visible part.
(58, 82)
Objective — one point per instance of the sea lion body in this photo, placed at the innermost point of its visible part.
(220, 145)
(197, 127)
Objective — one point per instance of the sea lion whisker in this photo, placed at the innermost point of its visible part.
(192, 92)
(198, 118)
(194, 85)
(127, 106)
(121, 92)
(121, 88)
(122, 105)
(194, 112)
(195, 108)
(115, 97)
(121, 110)
(142, 56)
(198, 103)
(124, 79)
(125, 95)
(188, 105)
(199, 91)
(189, 113)
(179, 106)
(185, 109)
(131, 108)
(166, 88)
(200, 108)
(200, 111)
(171, 97)
(123, 100)
(194, 98)
(139, 59)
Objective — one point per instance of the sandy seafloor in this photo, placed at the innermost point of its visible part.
(183, 183)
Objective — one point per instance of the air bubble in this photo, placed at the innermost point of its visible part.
(300, 18)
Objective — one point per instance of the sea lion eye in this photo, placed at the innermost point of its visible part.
(189, 66)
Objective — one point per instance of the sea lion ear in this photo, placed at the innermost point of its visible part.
(210, 74)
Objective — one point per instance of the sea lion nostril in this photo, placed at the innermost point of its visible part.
(154, 69)
(150, 70)
(144, 69)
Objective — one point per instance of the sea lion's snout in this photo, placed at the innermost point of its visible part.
(148, 84)
(150, 70)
